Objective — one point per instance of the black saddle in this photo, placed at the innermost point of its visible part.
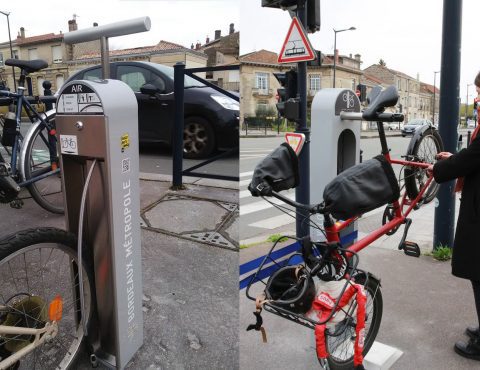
(28, 66)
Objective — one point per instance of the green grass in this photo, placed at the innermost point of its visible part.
(442, 253)
(277, 238)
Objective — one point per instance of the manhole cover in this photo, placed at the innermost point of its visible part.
(232, 207)
(212, 238)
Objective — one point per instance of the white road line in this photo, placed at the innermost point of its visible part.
(261, 205)
(273, 222)
(245, 174)
(250, 156)
(255, 150)
(244, 194)
(244, 182)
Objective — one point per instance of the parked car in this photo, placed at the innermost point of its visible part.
(393, 125)
(471, 123)
(211, 118)
(410, 127)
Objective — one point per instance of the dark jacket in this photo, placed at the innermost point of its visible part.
(466, 248)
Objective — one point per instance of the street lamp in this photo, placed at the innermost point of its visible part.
(434, 89)
(11, 50)
(335, 49)
(466, 105)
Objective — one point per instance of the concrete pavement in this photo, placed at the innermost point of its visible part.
(190, 264)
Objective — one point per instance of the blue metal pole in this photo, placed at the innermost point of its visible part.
(302, 192)
(449, 113)
(178, 86)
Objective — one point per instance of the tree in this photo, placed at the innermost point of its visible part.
(382, 63)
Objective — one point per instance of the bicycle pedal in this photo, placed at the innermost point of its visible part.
(17, 203)
(411, 249)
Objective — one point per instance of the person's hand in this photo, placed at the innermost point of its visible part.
(443, 155)
(430, 170)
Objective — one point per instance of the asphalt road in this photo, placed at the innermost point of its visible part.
(158, 159)
(259, 219)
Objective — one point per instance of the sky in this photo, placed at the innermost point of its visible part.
(179, 21)
(406, 34)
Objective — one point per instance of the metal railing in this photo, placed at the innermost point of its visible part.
(179, 92)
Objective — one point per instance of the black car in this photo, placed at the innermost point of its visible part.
(211, 118)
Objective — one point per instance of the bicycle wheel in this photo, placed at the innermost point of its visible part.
(41, 157)
(423, 150)
(37, 265)
(341, 346)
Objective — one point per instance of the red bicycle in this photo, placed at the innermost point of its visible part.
(292, 281)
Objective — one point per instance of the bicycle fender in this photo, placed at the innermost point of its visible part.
(23, 153)
(367, 276)
(417, 136)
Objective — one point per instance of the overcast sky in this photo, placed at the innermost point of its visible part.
(406, 34)
(179, 21)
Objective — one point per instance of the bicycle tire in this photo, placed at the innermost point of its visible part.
(341, 348)
(46, 192)
(23, 250)
(423, 150)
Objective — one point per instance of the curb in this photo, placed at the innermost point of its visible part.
(232, 185)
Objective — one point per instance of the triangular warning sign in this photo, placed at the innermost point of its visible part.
(297, 47)
(295, 140)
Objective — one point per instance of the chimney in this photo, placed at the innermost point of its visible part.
(22, 33)
(197, 46)
(192, 46)
(350, 56)
(418, 76)
(95, 24)
(218, 34)
(232, 28)
(357, 57)
(207, 40)
(72, 25)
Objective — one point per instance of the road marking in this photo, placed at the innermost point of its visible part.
(244, 182)
(274, 222)
(261, 205)
(244, 194)
(245, 174)
(381, 356)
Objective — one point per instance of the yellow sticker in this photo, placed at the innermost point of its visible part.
(125, 141)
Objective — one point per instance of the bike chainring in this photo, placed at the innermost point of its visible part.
(8, 187)
(389, 215)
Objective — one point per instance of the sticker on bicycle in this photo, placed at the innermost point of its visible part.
(68, 144)
(295, 141)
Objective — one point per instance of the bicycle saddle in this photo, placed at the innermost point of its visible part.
(386, 98)
(28, 66)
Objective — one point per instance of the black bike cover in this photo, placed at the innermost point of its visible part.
(361, 188)
(278, 171)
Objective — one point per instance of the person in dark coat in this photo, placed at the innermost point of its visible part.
(465, 166)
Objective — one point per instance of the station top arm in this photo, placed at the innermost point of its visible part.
(121, 28)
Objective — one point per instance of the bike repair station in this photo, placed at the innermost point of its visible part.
(98, 138)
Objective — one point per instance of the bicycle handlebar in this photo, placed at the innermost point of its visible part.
(317, 208)
(378, 117)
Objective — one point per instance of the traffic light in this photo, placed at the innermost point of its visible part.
(279, 3)
(317, 62)
(362, 92)
(313, 11)
(288, 104)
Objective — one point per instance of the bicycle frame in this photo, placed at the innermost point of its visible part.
(22, 103)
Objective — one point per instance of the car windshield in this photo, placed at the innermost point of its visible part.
(189, 81)
(416, 122)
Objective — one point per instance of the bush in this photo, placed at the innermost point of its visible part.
(442, 253)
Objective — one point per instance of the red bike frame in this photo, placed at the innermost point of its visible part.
(332, 232)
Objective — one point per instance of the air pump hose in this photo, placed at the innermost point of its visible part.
(79, 246)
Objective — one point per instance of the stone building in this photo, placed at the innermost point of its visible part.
(416, 98)
(63, 59)
(222, 51)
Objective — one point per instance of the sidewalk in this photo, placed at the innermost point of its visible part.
(425, 308)
(190, 264)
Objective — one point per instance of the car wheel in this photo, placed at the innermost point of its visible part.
(198, 138)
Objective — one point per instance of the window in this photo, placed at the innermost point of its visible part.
(399, 84)
(59, 80)
(261, 80)
(32, 54)
(262, 108)
(314, 82)
(93, 74)
(136, 77)
(57, 54)
(40, 88)
(15, 54)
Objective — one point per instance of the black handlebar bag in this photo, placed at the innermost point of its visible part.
(361, 188)
(278, 171)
